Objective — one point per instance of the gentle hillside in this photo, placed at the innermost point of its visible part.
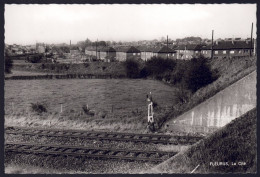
(234, 143)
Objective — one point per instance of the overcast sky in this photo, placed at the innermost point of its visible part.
(26, 24)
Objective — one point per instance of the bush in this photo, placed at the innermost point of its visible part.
(8, 64)
(198, 74)
(132, 68)
(87, 110)
(39, 108)
(86, 64)
(158, 66)
(144, 72)
(34, 58)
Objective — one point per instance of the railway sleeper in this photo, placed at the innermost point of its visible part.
(122, 157)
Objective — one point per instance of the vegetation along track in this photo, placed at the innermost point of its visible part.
(111, 136)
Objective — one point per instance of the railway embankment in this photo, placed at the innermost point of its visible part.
(230, 149)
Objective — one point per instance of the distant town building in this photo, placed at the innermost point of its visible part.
(166, 52)
(188, 51)
(147, 52)
(40, 47)
(106, 54)
(123, 53)
(228, 49)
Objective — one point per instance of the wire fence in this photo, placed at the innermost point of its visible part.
(74, 110)
(65, 76)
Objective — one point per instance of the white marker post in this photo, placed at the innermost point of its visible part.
(150, 113)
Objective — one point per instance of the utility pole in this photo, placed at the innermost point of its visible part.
(212, 44)
(251, 46)
(70, 46)
(167, 47)
(96, 49)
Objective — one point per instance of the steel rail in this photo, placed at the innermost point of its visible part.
(88, 152)
(111, 136)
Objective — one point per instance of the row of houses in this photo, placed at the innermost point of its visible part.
(122, 53)
(220, 49)
(19, 49)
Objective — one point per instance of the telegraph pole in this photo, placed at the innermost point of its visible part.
(251, 46)
(167, 47)
(212, 44)
(96, 49)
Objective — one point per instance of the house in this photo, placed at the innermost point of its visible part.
(147, 52)
(40, 47)
(228, 49)
(166, 52)
(74, 51)
(125, 52)
(188, 51)
(106, 54)
(92, 51)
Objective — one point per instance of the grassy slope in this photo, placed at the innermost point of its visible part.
(236, 142)
(128, 98)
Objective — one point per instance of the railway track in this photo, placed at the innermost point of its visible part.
(111, 136)
(87, 152)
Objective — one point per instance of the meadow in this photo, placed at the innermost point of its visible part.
(115, 103)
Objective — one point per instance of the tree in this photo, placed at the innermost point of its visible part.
(35, 58)
(158, 65)
(132, 68)
(198, 74)
(8, 63)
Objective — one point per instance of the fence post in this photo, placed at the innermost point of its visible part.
(12, 107)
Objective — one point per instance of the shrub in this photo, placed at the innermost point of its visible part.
(39, 108)
(8, 64)
(182, 96)
(87, 110)
(159, 67)
(132, 68)
(86, 64)
(198, 74)
(144, 72)
(35, 58)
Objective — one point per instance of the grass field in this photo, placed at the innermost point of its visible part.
(234, 144)
(120, 101)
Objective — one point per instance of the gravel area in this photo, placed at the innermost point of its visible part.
(62, 164)
(65, 164)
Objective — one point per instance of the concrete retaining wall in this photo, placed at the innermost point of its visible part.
(220, 109)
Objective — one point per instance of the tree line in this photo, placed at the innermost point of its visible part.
(188, 74)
